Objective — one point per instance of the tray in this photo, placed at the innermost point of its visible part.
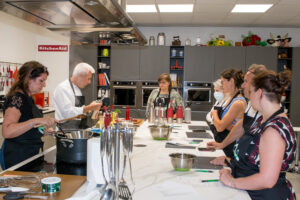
(203, 163)
(203, 135)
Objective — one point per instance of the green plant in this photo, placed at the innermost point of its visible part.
(118, 111)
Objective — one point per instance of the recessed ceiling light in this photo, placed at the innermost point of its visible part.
(176, 7)
(251, 8)
(141, 8)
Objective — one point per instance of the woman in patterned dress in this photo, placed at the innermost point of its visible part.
(263, 154)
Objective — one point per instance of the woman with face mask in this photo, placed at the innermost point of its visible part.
(220, 98)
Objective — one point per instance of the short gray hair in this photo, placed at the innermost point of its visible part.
(257, 68)
(83, 68)
(218, 84)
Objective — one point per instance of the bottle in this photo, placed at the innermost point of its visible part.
(198, 41)
(151, 114)
(161, 115)
(188, 113)
(170, 113)
(127, 113)
(188, 42)
(179, 115)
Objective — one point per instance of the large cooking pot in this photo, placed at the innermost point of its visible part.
(72, 146)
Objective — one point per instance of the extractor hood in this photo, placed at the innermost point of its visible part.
(78, 17)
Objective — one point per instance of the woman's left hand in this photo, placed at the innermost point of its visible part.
(226, 178)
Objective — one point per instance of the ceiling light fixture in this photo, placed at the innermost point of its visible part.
(176, 8)
(251, 8)
(141, 8)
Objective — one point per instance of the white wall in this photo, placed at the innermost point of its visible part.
(19, 42)
(231, 33)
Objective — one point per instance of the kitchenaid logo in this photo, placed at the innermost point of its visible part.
(57, 48)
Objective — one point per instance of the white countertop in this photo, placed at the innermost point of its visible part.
(45, 111)
(156, 179)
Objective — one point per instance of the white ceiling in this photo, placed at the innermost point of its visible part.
(284, 13)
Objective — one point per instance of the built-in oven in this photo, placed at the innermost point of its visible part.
(147, 88)
(124, 93)
(199, 94)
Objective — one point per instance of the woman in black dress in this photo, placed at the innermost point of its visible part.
(266, 151)
(22, 140)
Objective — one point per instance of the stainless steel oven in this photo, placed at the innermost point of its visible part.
(124, 93)
(199, 94)
(147, 88)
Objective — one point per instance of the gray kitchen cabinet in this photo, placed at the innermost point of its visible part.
(125, 63)
(199, 63)
(262, 55)
(86, 54)
(153, 62)
(295, 95)
(229, 57)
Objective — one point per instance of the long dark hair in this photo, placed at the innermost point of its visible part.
(166, 77)
(29, 70)
(273, 84)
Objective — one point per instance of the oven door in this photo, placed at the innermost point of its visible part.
(146, 91)
(201, 98)
(123, 96)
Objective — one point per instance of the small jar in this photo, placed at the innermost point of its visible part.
(181, 53)
(173, 53)
(151, 41)
(161, 39)
(198, 41)
(188, 42)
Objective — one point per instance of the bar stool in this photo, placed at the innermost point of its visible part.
(296, 168)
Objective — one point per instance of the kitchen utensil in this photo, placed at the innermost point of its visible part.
(21, 195)
(160, 132)
(72, 146)
(102, 153)
(130, 147)
(182, 161)
(81, 116)
(180, 145)
(124, 192)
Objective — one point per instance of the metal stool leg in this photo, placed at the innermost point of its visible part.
(296, 168)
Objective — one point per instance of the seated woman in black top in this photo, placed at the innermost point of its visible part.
(22, 140)
(264, 153)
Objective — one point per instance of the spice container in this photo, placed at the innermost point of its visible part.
(176, 41)
(173, 53)
(161, 39)
(151, 41)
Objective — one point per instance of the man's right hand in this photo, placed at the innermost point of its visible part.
(95, 105)
(214, 145)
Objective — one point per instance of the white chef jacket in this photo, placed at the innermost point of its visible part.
(64, 101)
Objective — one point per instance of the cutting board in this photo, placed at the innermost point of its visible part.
(69, 184)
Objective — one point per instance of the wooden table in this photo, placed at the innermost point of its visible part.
(69, 184)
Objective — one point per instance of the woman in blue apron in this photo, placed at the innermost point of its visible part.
(21, 115)
(224, 118)
(267, 150)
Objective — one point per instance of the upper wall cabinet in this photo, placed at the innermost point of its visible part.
(125, 63)
(153, 62)
(295, 96)
(199, 63)
(228, 57)
(262, 55)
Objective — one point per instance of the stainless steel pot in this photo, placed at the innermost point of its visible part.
(72, 147)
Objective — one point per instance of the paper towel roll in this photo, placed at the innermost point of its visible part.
(94, 166)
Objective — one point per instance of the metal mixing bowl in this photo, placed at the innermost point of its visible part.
(160, 132)
(182, 161)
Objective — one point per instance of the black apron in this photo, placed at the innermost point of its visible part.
(162, 101)
(220, 136)
(17, 150)
(244, 168)
(75, 124)
(248, 120)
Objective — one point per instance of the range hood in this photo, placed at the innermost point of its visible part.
(83, 19)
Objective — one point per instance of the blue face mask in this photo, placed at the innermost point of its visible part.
(218, 96)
